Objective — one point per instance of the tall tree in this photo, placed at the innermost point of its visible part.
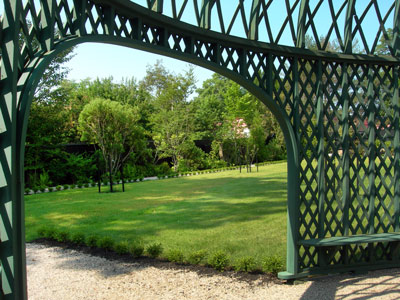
(172, 120)
(114, 128)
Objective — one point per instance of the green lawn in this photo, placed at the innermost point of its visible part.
(243, 214)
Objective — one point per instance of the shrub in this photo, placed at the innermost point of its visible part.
(163, 169)
(272, 264)
(197, 257)
(246, 264)
(47, 232)
(136, 250)
(58, 187)
(141, 178)
(92, 240)
(106, 243)
(27, 191)
(175, 256)
(42, 189)
(42, 231)
(66, 186)
(78, 238)
(122, 247)
(154, 250)
(44, 179)
(219, 261)
(61, 236)
(86, 185)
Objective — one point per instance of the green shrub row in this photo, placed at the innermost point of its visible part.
(218, 260)
(136, 179)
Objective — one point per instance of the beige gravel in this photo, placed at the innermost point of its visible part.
(55, 273)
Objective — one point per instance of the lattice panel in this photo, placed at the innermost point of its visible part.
(282, 85)
(352, 148)
(253, 19)
(343, 110)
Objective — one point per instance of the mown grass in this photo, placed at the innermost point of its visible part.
(242, 214)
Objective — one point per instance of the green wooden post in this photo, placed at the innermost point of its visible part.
(371, 153)
(396, 30)
(301, 32)
(292, 257)
(254, 19)
(396, 146)
(320, 153)
(12, 233)
(205, 14)
(345, 156)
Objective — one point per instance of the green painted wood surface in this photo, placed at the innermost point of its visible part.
(339, 111)
(354, 239)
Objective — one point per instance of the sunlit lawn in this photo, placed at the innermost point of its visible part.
(243, 214)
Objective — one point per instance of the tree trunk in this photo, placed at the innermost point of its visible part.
(122, 177)
(110, 173)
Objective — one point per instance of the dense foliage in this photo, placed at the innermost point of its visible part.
(150, 127)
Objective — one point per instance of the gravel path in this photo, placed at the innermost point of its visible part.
(63, 274)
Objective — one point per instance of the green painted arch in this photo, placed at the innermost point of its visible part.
(310, 93)
(40, 63)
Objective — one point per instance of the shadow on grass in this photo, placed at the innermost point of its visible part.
(175, 204)
(207, 206)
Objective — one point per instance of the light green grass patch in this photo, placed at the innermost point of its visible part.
(243, 214)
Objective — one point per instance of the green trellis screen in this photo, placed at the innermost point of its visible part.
(338, 106)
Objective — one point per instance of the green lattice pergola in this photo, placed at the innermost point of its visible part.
(339, 110)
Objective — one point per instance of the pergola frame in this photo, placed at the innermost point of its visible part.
(339, 111)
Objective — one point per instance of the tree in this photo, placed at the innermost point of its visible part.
(209, 107)
(172, 120)
(383, 46)
(113, 127)
(47, 119)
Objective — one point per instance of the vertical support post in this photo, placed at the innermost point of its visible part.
(253, 22)
(371, 152)
(137, 29)
(270, 74)
(292, 264)
(396, 30)
(301, 26)
(320, 153)
(348, 36)
(344, 100)
(158, 6)
(205, 14)
(243, 70)
(79, 17)
(47, 23)
(108, 20)
(396, 145)
(12, 235)
(189, 45)
(396, 119)
(348, 45)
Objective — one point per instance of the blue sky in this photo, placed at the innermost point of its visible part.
(102, 60)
